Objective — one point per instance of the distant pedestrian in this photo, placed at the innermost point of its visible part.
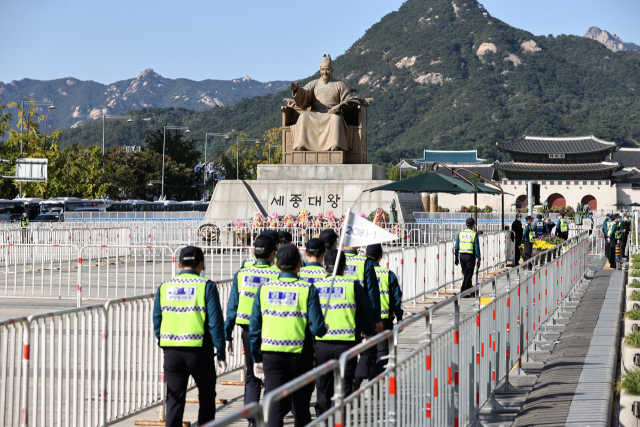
(516, 237)
(529, 238)
(467, 253)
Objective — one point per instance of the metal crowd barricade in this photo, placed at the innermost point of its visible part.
(134, 379)
(40, 271)
(67, 366)
(450, 376)
(109, 272)
(14, 370)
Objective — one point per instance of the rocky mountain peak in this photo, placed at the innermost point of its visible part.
(610, 40)
(148, 74)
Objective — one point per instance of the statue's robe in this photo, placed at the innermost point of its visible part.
(318, 130)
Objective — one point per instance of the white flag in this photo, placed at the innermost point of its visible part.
(360, 232)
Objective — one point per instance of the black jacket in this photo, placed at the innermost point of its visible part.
(516, 226)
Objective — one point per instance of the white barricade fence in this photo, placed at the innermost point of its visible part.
(430, 268)
(40, 271)
(450, 376)
(14, 370)
(108, 272)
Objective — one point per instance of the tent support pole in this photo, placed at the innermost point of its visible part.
(492, 183)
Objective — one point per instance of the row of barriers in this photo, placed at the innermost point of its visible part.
(84, 366)
(450, 375)
(98, 364)
(103, 272)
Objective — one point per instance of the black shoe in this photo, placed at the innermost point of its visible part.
(252, 424)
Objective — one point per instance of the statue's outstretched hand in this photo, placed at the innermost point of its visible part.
(294, 87)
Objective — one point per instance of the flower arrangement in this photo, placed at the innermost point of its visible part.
(441, 209)
(361, 215)
(289, 220)
(303, 218)
(318, 219)
(258, 220)
(469, 209)
(331, 219)
(272, 221)
(379, 217)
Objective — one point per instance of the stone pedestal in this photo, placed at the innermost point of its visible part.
(291, 188)
(321, 172)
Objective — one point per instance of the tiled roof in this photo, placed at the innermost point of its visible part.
(446, 157)
(486, 171)
(571, 168)
(629, 157)
(569, 145)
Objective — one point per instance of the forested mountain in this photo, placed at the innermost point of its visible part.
(447, 75)
(78, 101)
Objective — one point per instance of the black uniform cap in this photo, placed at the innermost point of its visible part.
(539, 216)
(191, 254)
(273, 234)
(330, 260)
(470, 221)
(374, 251)
(266, 243)
(284, 237)
(528, 218)
(288, 257)
(315, 245)
(329, 236)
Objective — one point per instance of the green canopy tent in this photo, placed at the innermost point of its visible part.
(619, 204)
(436, 183)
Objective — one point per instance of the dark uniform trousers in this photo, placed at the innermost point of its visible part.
(612, 252)
(179, 364)
(252, 385)
(516, 261)
(606, 249)
(383, 351)
(564, 235)
(467, 262)
(528, 252)
(366, 363)
(280, 368)
(326, 351)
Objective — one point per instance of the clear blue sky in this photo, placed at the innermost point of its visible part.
(268, 40)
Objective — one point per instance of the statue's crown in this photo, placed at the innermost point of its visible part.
(326, 61)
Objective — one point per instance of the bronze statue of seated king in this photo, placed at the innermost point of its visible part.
(324, 122)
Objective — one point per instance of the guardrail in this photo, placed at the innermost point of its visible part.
(449, 377)
(89, 365)
(87, 361)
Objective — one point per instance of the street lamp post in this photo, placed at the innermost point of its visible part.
(104, 116)
(238, 152)
(51, 107)
(164, 149)
(204, 174)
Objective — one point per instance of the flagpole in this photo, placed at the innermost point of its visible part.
(337, 262)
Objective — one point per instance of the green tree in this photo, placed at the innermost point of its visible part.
(272, 140)
(178, 147)
(137, 176)
(77, 172)
(33, 146)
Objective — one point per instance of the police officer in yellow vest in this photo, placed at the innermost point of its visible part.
(187, 320)
(467, 251)
(390, 304)
(614, 234)
(608, 222)
(286, 315)
(361, 268)
(563, 227)
(313, 270)
(350, 316)
(245, 285)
